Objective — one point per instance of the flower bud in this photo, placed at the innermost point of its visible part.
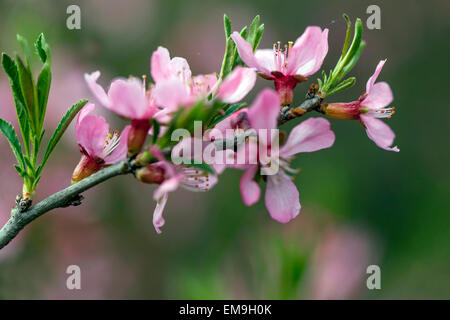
(284, 85)
(85, 168)
(150, 174)
(349, 111)
(138, 134)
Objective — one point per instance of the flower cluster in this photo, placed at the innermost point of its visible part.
(175, 99)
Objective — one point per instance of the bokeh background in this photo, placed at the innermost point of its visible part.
(360, 205)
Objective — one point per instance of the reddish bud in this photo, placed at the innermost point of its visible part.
(138, 134)
(150, 174)
(85, 168)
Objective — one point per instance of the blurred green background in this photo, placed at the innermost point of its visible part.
(360, 205)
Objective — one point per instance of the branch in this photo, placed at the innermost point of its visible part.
(19, 219)
(287, 113)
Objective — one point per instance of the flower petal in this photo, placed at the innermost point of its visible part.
(379, 97)
(91, 134)
(374, 77)
(250, 190)
(168, 185)
(160, 64)
(88, 108)
(266, 59)
(310, 135)
(264, 111)
(120, 152)
(128, 99)
(379, 132)
(158, 220)
(171, 94)
(282, 198)
(246, 53)
(237, 84)
(308, 52)
(97, 89)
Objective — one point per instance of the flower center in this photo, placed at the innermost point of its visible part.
(111, 143)
(382, 113)
(281, 55)
(196, 180)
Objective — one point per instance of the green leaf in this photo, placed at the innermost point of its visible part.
(232, 109)
(156, 130)
(191, 163)
(227, 26)
(355, 59)
(43, 90)
(22, 112)
(59, 131)
(347, 83)
(26, 81)
(42, 48)
(10, 135)
(347, 35)
(26, 50)
(253, 30)
(259, 35)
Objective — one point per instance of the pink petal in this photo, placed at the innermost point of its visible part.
(97, 89)
(264, 111)
(379, 97)
(158, 220)
(225, 124)
(374, 77)
(308, 52)
(120, 152)
(128, 99)
(237, 84)
(168, 185)
(310, 135)
(250, 190)
(379, 132)
(204, 84)
(180, 69)
(88, 108)
(91, 134)
(171, 94)
(266, 59)
(282, 198)
(245, 51)
(160, 61)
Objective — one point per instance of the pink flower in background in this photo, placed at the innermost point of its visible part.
(98, 146)
(289, 66)
(339, 265)
(190, 178)
(175, 86)
(369, 108)
(282, 197)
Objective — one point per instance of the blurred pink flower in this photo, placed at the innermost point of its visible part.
(97, 145)
(368, 108)
(339, 266)
(289, 66)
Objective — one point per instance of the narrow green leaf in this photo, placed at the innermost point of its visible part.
(347, 83)
(10, 135)
(349, 66)
(347, 35)
(26, 50)
(59, 131)
(355, 42)
(227, 26)
(43, 90)
(27, 85)
(22, 111)
(232, 109)
(259, 35)
(42, 48)
(19, 171)
(253, 30)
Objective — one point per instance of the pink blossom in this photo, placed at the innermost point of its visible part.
(290, 65)
(371, 106)
(98, 146)
(175, 86)
(189, 178)
(281, 197)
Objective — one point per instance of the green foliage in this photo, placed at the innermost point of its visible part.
(331, 83)
(231, 58)
(30, 100)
